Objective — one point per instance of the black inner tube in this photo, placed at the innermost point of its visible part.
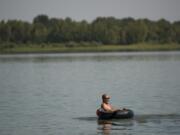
(120, 114)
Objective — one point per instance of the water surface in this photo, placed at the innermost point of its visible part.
(45, 94)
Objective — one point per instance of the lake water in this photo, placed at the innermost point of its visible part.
(58, 94)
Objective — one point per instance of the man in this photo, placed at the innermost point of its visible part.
(105, 106)
(108, 112)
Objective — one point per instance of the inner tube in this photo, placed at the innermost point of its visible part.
(120, 114)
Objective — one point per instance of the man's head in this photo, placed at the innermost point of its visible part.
(105, 97)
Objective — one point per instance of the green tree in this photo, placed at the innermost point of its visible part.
(164, 31)
(41, 19)
(39, 33)
(105, 30)
(5, 32)
(176, 30)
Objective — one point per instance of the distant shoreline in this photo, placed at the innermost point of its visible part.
(37, 48)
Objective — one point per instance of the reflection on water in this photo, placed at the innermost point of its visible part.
(90, 56)
(145, 124)
(107, 126)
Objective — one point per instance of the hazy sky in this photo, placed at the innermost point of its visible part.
(90, 9)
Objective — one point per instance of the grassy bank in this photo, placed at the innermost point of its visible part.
(59, 48)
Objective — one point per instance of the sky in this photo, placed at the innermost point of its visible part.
(89, 10)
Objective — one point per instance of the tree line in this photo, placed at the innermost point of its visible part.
(103, 30)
